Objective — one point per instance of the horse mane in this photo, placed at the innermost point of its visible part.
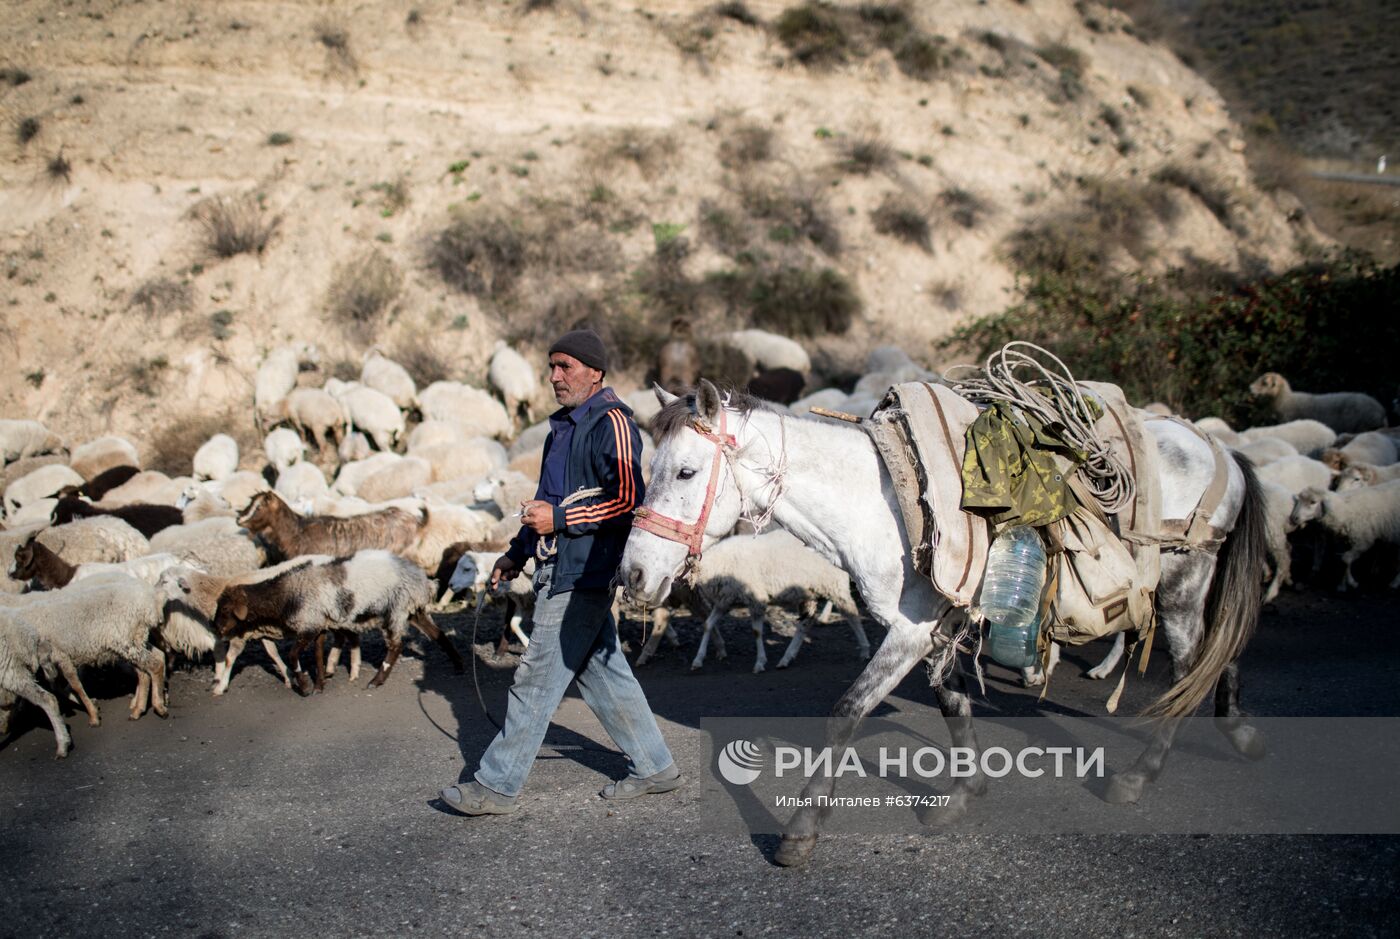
(676, 415)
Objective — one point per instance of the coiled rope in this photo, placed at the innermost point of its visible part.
(547, 546)
(1050, 393)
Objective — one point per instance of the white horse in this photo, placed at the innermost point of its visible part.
(719, 458)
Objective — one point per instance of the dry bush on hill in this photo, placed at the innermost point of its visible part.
(650, 151)
(362, 291)
(1214, 194)
(172, 448)
(418, 352)
(26, 129)
(334, 35)
(901, 217)
(162, 295)
(865, 153)
(1112, 215)
(793, 301)
(746, 143)
(793, 209)
(821, 35)
(963, 207)
(234, 225)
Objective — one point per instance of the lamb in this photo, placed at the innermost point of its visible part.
(106, 481)
(454, 401)
(191, 598)
(471, 575)
(277, 376)
(1362, 516)
(768, 350)
(197, 504)
(103, 619)
(301, 481)
(1308, 437)
(1358, 475)
(37, 512)
(25, 465)
(216, 545)
(291, 535)
(469, 459)
(445, 526)
(217, 458)
(374, 413)
(396, 480)
(1278, 510)
(316, 415)
(283, 448)
(390, 378)
(516, 379)
(97, 456)
(37, 564)
(355, 446)
(367, 590)
(148, 486)
(352, 475)
(1371, 447)
(1296, 473)
(43, 483)
(1343, 411)
(773, 567)
(1266, 450)
(147, 519)
(20, 439)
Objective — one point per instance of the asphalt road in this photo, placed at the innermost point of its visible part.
(261, 813)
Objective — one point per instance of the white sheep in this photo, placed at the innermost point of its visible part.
(98, 621)
(464, 460)
(217, 458)
(769, 350)
(319, 417)
(830, 398)
(396, 480)
(445, 526)
(1371, 447)
(506, 489)
(20, 439)
(374, 413)
(150, 487)
(283, 448)
(1343, 411)
(43, 483)
(1308, 437)
(351, 475)
(454, 401)
(97, 456)
(354, 447)
(531, 439)
(433, 433)
(1221, 431)
(516, 379)
(1278, 524)
(1358, 475)
(1296, 473)
(99, 538)
(216, 545)
(472, 575)
(771, 568)
(25, 465)
(385, 375)
(39, 511)
(1361, 516)
(277, 376)
(1266, 449)
(301, 481)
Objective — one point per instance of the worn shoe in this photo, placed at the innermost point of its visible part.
(633, 786)
(475, 799)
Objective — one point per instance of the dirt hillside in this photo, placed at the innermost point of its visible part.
(640, 159)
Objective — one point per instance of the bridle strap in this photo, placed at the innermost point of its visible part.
(690, 534)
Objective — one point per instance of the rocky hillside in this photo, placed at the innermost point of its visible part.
(184, 185)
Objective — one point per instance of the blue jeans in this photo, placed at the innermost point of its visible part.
(574, 638)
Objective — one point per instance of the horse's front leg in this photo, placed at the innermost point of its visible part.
(956, 704)
(904, 645)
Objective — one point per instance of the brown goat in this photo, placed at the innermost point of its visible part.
(34, 561)
(145, 518)
(291, 534)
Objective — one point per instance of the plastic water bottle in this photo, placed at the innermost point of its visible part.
(1011, 596)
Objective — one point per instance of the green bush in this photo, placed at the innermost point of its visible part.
(1196, 342)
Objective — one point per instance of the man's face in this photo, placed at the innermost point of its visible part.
(574, 382)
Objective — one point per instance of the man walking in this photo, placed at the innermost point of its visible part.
(575, 528)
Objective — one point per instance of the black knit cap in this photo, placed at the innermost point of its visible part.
(584, 345)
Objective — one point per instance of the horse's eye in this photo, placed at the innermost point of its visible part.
(685, 474)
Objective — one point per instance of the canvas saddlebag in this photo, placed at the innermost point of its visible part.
(1094, 585)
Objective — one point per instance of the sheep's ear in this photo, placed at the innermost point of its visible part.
(707, 403)
(663, 396)
(238, 606)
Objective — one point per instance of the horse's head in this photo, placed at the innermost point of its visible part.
(692, 498)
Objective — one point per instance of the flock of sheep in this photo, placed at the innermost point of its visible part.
(379, 502)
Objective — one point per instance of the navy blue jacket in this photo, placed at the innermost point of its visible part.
(605, 451)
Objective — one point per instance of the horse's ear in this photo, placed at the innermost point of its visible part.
(662, 395)
(707, 403)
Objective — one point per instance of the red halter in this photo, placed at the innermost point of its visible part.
(690, 534)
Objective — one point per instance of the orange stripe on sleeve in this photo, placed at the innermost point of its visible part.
(626, 496)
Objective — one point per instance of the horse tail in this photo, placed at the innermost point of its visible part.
(1232, 604)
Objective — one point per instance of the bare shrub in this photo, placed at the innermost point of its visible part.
(963, 207)
(724, 228)
(793, 301)
(145, 375)
(735, 10)
(173, 447)
(27, 129)
(362, 291)
(797, 206)
(479, 253)
(418, 352)
(746, 143)
(14, 77)
(1209, 189)
(161, 295)
(335, 37)
(650, 151)
(1112, 216)
(815, 33)
(58, 168)
(866, 153)
(901, 217)
(233, 226)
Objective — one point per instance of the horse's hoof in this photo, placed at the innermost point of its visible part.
(1248, 742)
(795, 850)
(1124, 789)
